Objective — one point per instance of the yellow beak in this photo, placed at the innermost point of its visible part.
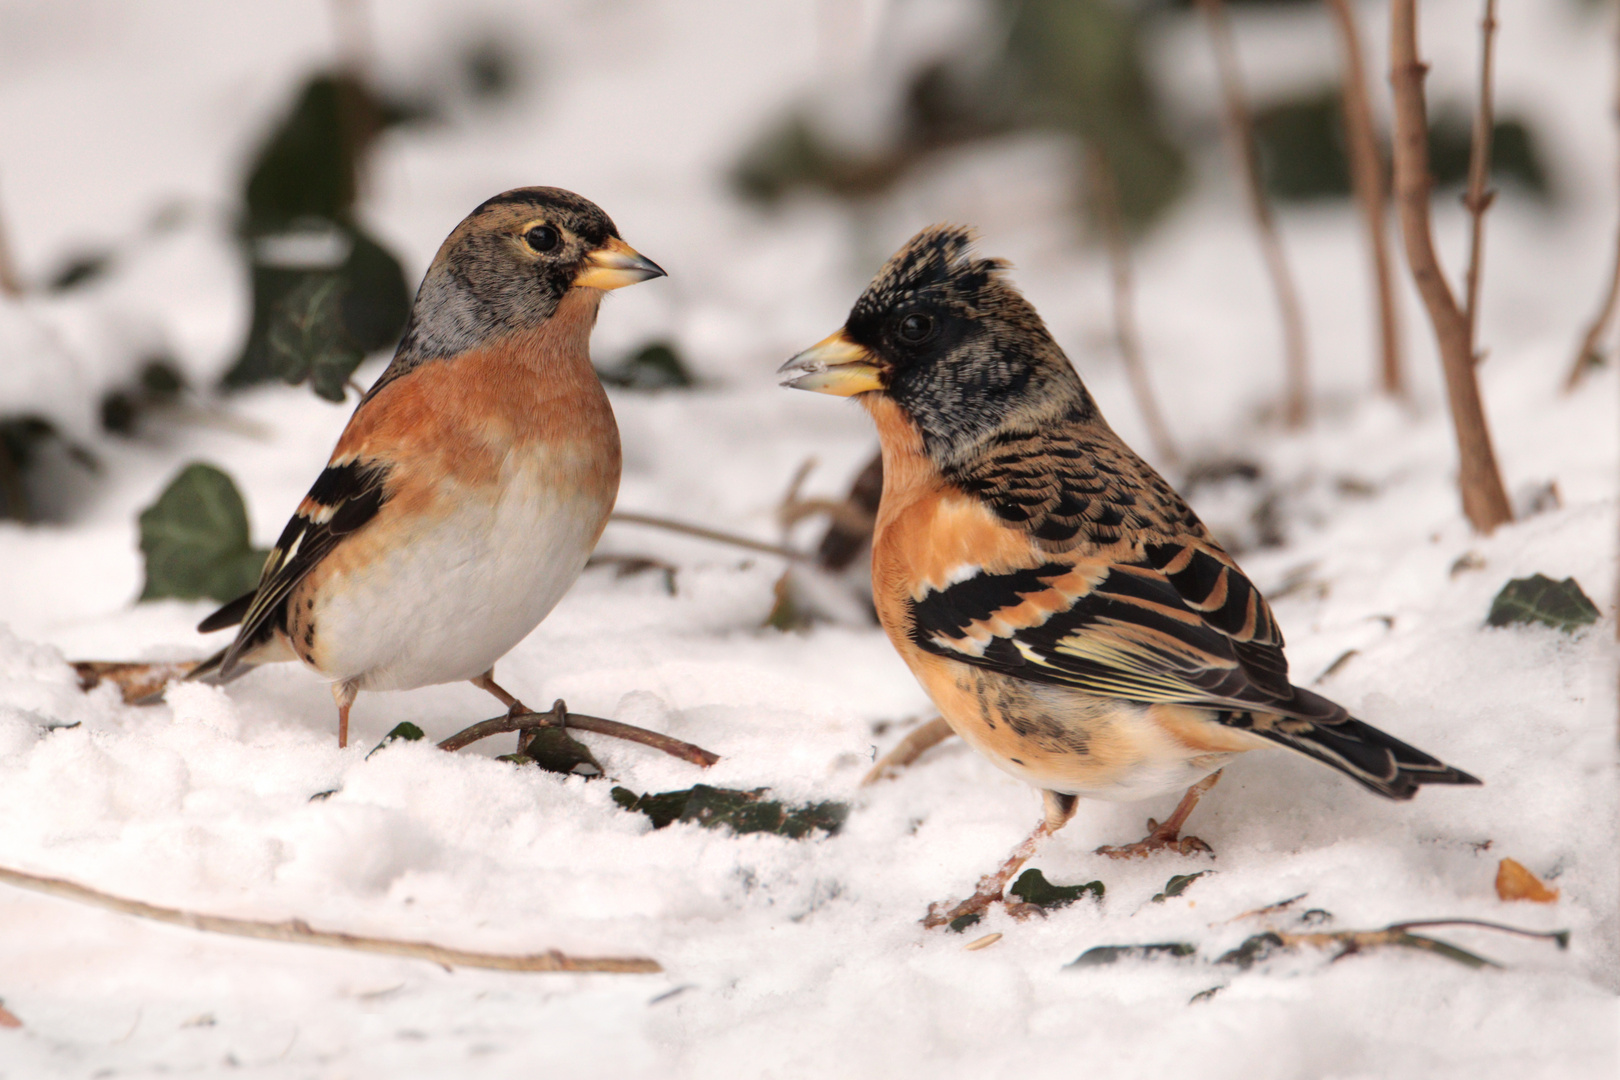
(833, 365)
(614, 265)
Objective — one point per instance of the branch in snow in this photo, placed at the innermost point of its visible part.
(559, 716)
(652, 521)
(299, 932)
(909, 749)
(1588, 356)
(1477, 199)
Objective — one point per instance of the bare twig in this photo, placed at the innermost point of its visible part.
(1240, 133)
(652, 521)
(298, 932)
(1483, 497)
(1477, 198)
(528, 721)
(908, 749)
(10, 283)
(849, 534)
(1367, 177)
(1105, 203)
(1588, 355)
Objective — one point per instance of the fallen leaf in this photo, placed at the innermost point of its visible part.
(1558, 604)
(1514, 882)
(8, 1019)
(1033, 888)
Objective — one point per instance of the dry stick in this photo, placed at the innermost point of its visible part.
(559, 716)
(1240, 133)
(1105, 202)
(299, 932)
(1477, 199)
(717, 536)
(908, 749)
(1367, 177)
(1483, 498)
(1587, 356)
(10, 283)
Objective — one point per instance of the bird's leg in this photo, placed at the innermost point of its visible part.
(992, 887)
(486, 682)
(344, 694)
(1168, 835)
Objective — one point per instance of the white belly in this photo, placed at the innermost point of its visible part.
(466, 588)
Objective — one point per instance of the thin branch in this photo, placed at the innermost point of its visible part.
(298, 932)
(652, 521)
(10, 283)
(1368, 178)
(559, 716)
(908, 749)
(1105, 203)
(1240, 133)
(1588, 355)
(1559, 936)
(1483, 497)
(1478, 199)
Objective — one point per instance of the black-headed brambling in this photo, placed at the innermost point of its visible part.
(1067, 612)
(472, 480)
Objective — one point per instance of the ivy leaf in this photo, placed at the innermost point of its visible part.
(1102, 955)
(554, 750)
(655, 366)
(1559, 604)
(741, 811)
(1253, 950)
(402, 732)
(307, 338)
(1178, 885)
(195, 539)
(1033, 888)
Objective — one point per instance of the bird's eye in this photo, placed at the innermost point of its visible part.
(542, 238)
(916, 328)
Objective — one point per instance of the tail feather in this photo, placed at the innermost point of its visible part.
(229, 615)
(1375, 760)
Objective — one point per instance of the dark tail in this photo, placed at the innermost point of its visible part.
(229, 615)
(1375, 760)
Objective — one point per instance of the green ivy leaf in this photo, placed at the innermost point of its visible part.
(554, 750)
(195, 539)
(1033, 888)
(402, 732)
(740, 811)
(1101, 955)
(1538, 599)
(1253, 950)
(307, 338)
(1178, 885)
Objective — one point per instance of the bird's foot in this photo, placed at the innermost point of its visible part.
(965, 913)
(1166, 837)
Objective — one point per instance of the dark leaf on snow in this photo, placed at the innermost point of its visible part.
(1539, 599)
(403, 732)
(1033, 888)
(1100, 955)
(741, 811)
(554, 750)
(1178, 885)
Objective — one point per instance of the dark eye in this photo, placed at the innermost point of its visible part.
(542, 238)
(916, 328)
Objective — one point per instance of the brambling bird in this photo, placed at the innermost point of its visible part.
(1067, 612)
(472, 480)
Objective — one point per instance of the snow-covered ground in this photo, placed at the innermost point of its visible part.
(788, 958)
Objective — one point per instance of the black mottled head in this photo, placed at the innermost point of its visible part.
(508, 265)
(948, 339)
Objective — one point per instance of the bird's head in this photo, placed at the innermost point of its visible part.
(949, 340)
(511, 261)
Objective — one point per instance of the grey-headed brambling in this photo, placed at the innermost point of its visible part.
(474, 477)
(1064, 608)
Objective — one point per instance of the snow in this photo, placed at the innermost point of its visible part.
(788, 958)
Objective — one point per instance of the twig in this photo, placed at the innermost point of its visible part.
(10, 283)
(1480, 483)
(629, 518)
(1559, 936)
(847, 536)
(908, 749)
(298, 932)
(1477, 199)
(1105, 203)
(1240, 133)
(1588, 356)
(1367, 177)
(528, 721)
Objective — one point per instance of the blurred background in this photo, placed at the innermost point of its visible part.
(200, 201)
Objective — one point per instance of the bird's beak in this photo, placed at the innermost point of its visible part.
(834, 365)
(614, 265)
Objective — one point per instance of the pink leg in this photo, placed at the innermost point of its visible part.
(991, 888)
